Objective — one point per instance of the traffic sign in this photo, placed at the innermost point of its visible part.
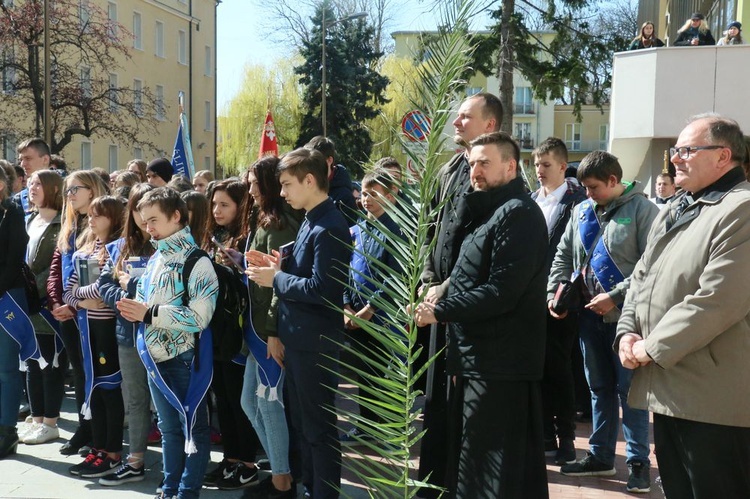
(416, 126)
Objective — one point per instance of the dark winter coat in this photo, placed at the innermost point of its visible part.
(495, 304)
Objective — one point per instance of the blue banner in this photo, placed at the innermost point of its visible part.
(182, 156)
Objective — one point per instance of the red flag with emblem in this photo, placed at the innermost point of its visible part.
(268, 142)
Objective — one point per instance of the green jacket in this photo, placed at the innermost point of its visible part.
(624, 237)
(263, 300)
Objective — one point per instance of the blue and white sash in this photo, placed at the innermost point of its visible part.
(108, 382)
(16, 323)
(268, 370)
(602, 264)
(45, 314)
(201, 373)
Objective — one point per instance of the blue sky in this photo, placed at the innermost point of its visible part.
(241, 40)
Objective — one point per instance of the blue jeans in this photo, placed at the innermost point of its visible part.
(183, 473)
(11, 387)
(608, 381)
(268, 418)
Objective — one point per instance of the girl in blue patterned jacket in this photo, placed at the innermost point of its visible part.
(177, 356)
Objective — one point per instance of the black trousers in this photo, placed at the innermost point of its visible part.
(363, 343)
(558, 392)
(496, 442)
(434, 445)
(310, 381)
(107, 407)
(702, 460)
(238, 436)
(72, 341)
(46, 387)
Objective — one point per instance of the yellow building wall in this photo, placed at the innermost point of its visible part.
(592, 134)
(196, 77)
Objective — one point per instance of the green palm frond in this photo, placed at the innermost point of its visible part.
(386, 373)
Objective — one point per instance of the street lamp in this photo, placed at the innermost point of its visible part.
(324, 26)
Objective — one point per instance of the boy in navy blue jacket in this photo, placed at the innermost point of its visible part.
(309, 285)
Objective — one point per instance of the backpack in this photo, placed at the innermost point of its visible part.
(231, 305)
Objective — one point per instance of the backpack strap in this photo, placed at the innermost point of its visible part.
(192, 258)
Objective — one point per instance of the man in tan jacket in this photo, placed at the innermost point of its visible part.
(685, 326)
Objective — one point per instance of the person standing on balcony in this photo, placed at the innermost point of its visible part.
(647, 38)
(733, 35)
(695, 32)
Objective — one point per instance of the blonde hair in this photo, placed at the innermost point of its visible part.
(69, 225)
(205, 174)
(702, 28)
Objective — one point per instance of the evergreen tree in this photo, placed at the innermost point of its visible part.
(355, 89)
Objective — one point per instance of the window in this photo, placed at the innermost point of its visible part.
(207, 110)
(9, 73)
(182, 47)
(522, 132)
(8, 147)
(112, 30)
(112, 93)
(208, 68)
(603, 137)
(160, 111)
(138, 97)
(83, 13)
(573, 136)
(137, 153)
(137, 31)
(86, 155)
(159, 39)
(207, 163)
(472, 91)
(86, 83)
(523, 101)
(113, 150)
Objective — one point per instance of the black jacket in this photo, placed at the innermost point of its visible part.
(495, 304)
(340, 190)
(448, 228)
(574, 195)
(13, 241)
(704, 37)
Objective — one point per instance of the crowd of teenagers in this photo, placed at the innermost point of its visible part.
(128, 272)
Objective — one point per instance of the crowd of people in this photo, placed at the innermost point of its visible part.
(694, 32)
(125, 277)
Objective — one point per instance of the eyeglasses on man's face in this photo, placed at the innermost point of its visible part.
(685, 151)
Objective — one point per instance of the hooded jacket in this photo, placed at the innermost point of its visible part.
(624, 237)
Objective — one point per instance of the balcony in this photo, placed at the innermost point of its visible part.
(655, 91)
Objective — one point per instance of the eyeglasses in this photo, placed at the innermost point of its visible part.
(74, 189)
(685, 151)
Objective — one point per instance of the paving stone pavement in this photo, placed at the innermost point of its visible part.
(41, 472)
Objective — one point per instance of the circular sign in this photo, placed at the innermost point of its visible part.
(416, 126)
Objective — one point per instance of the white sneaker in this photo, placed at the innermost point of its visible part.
(28, 429)
(43, 434)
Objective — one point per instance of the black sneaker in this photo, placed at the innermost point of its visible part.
(639, 481)
(259, 491)
(566, 454)
(103, 466)
(240, 476)
(273, 493)
(588, 466)
(125, 474)
(213, 476)
(90, 458)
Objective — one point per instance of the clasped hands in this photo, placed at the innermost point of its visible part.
(424, 313)
(262, 267)
(632, 351)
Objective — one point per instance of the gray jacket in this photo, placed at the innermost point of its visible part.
(624, 236)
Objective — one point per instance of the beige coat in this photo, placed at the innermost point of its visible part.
(690, 299)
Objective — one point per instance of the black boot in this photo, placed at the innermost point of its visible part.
(8, 441)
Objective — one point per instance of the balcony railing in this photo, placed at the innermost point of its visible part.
(527, 108)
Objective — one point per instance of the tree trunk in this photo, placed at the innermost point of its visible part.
(506, 62)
